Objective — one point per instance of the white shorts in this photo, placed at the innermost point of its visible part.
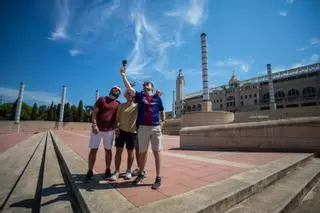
(147, 134)
(108, 139)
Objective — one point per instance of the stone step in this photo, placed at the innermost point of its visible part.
(311, 202)
(14, 163)
(25, 196)
(216, 197)
(54, 196)
(91, 197)
(285, 194)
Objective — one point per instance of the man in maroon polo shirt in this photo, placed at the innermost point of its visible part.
(103, 127)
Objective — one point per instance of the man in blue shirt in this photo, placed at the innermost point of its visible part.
(150, 109)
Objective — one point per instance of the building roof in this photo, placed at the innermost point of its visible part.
(311, 68)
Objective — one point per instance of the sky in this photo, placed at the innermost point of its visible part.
(81, 43)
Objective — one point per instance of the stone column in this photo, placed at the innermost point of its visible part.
(272, 103)
(173, 106)
(97, 95)
(63, 100)
(19, 104)
(206, 105)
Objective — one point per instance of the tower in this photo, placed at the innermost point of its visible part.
(63, 100)
(179, 93)
(19, 104)
(206, 104)
(272, 103)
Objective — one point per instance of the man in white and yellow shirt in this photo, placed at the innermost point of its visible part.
(126, 121)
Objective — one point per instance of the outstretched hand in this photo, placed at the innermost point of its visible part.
(123, 71)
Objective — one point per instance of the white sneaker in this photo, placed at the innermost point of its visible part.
(115, 176)
(128, 175)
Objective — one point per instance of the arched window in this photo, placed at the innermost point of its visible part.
(266, 98)
(293, 94)
(199, 107)
(280, 95)
(189, 108)
(309, 92)
(194, 108)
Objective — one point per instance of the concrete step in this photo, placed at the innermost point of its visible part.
(14, 163)
(285, 194)
(25, 196)
(90, 197)
(311, 202)
(54, 196)
(216, 197)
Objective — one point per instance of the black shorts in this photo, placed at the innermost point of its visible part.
(128, 138)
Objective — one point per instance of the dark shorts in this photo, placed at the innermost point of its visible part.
(128, 138)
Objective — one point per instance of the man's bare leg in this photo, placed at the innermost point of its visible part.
(130, 159)
(143, 160)
(157, 158)
(92, 158)
(108, 157)
(137, 157)
(118, 158)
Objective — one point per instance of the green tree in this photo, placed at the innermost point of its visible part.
(5, 111)
(13, 110)
(58, 112)
(54, 118)
(50, 113)
(34, 112)
(74, 111)
(67, 115)
(88, 113)
(80, 112)
(43, 113)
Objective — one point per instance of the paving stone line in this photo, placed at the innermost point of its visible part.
(95, 196)
(220, 196)
(14, 162)
(24, 197)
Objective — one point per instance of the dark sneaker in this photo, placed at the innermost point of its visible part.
(107, 174)
(157, 183)
(139, 178)
(88, 176)
(135, 172)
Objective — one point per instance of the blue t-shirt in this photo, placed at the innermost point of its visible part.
(149, 107)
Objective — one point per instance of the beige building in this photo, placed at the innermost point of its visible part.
(296, 87)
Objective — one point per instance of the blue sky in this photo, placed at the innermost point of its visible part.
(80, 43)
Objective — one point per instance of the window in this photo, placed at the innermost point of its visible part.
(279, 95)
(266, 98)
(221, 106)
(241, 103)
(245, 96)
(241, 97)
(255, 101)
(220, 100)
(194, 108)
(293, 94)
(250, 96)
(199, 107)
(255, 95)
(309, 92)
(227, 104)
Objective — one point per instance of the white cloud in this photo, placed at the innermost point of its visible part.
(62, 18)
(314, 41)
(150, 51)
(242, 64)
(192, 13)
(283, 13)
(41, 97)
(75, 52)
(290, 1)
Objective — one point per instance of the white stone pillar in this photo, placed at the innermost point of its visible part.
(19, 104)
(206, 103)
(63, 100)
(97, 95)
(272, 103)
(173, 106)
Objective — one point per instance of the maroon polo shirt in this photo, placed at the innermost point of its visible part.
(106, 117)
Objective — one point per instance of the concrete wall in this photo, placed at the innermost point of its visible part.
(295, 134)
(172, 127)
(33, 126)
(278, 114)
(206, 118)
